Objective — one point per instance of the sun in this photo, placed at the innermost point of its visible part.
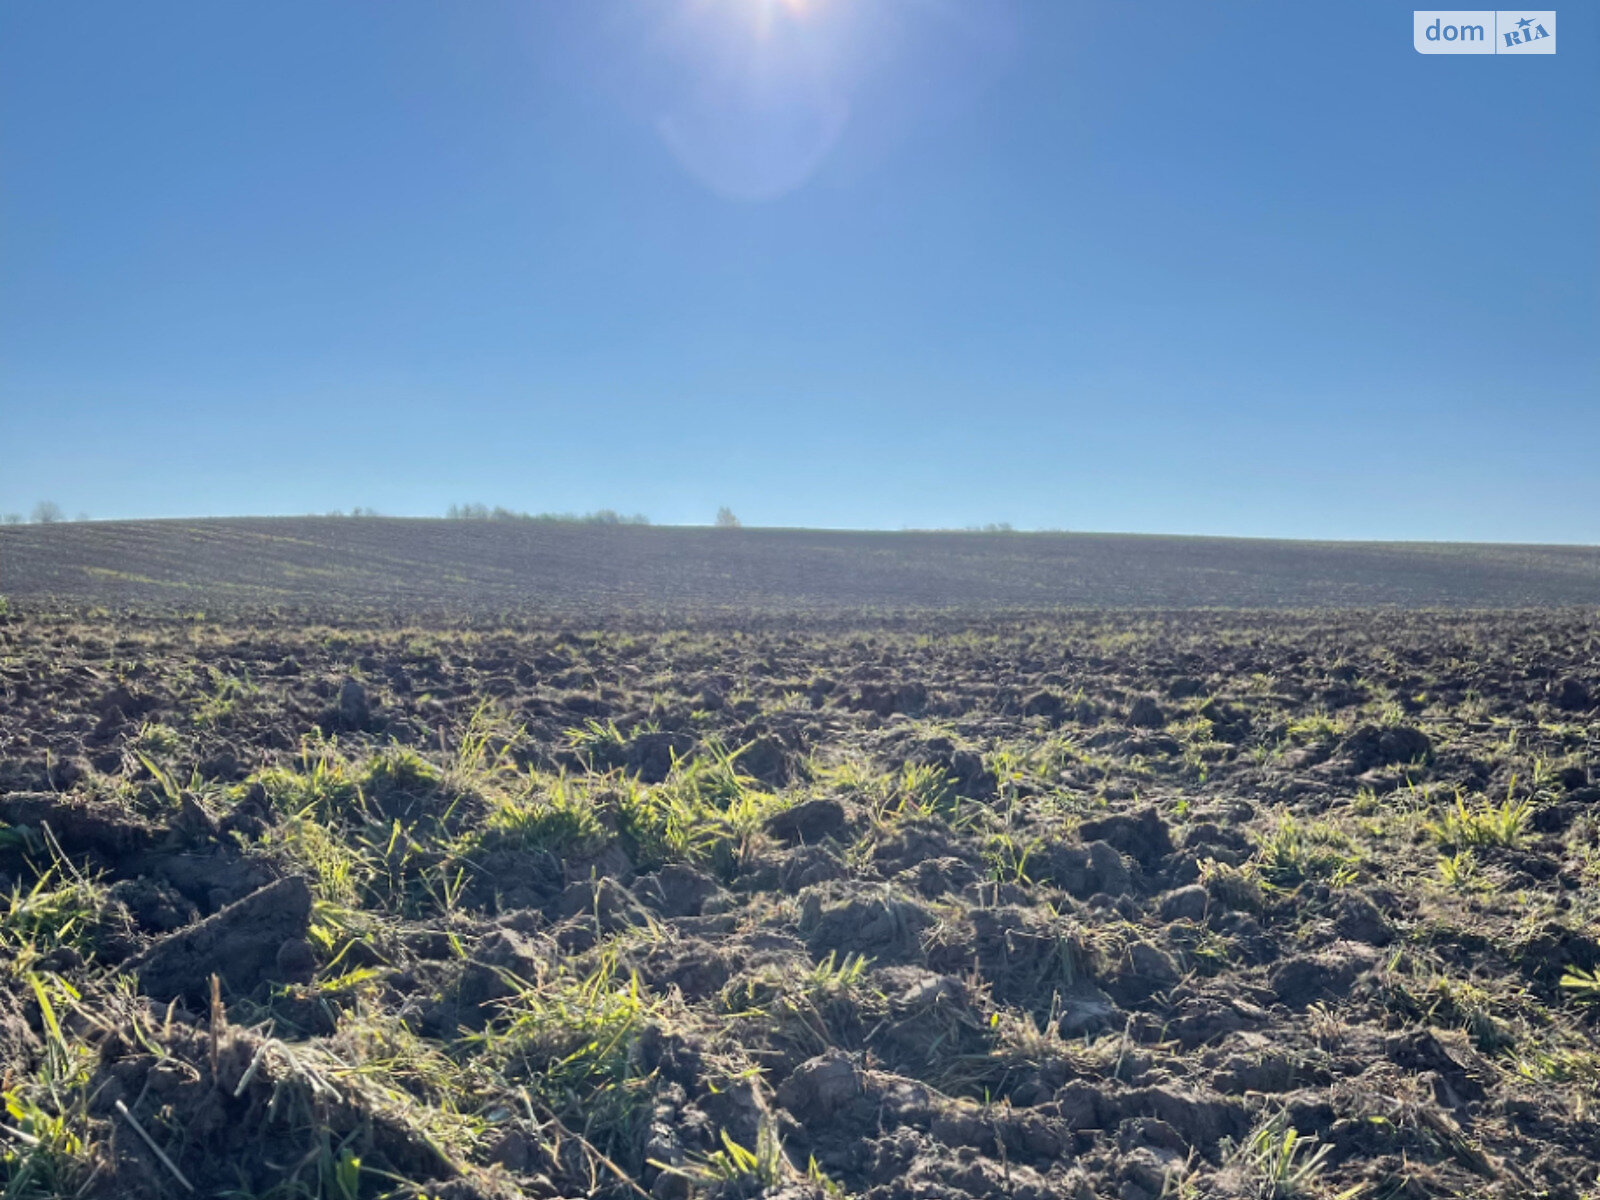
(766, 17)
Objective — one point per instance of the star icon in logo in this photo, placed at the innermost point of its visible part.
(1524, 23)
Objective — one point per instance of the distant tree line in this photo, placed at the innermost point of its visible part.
(482, 512)
(46, 512)
(991, 527)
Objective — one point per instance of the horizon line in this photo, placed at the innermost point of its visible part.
(992, 529)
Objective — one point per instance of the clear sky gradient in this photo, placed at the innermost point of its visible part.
(1226, 268)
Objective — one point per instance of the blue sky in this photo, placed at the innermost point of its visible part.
(1226, 268)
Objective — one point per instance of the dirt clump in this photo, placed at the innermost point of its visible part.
(241, 944)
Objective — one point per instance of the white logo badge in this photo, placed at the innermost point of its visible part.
(1484, 31)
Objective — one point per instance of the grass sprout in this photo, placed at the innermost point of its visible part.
(1293, 852)
(1483, 824)
(1276, 1161)
(1583, 985)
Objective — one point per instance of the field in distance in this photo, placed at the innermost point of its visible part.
(560, 567)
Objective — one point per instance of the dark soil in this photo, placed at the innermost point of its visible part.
(1088, 906)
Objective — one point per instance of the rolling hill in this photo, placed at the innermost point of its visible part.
(423, 565)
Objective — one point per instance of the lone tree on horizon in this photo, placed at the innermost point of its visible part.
(48, 512)
(726, 519)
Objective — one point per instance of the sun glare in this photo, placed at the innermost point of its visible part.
(768, 12)
(764, 96)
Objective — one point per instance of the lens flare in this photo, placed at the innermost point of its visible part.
(764, 97)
